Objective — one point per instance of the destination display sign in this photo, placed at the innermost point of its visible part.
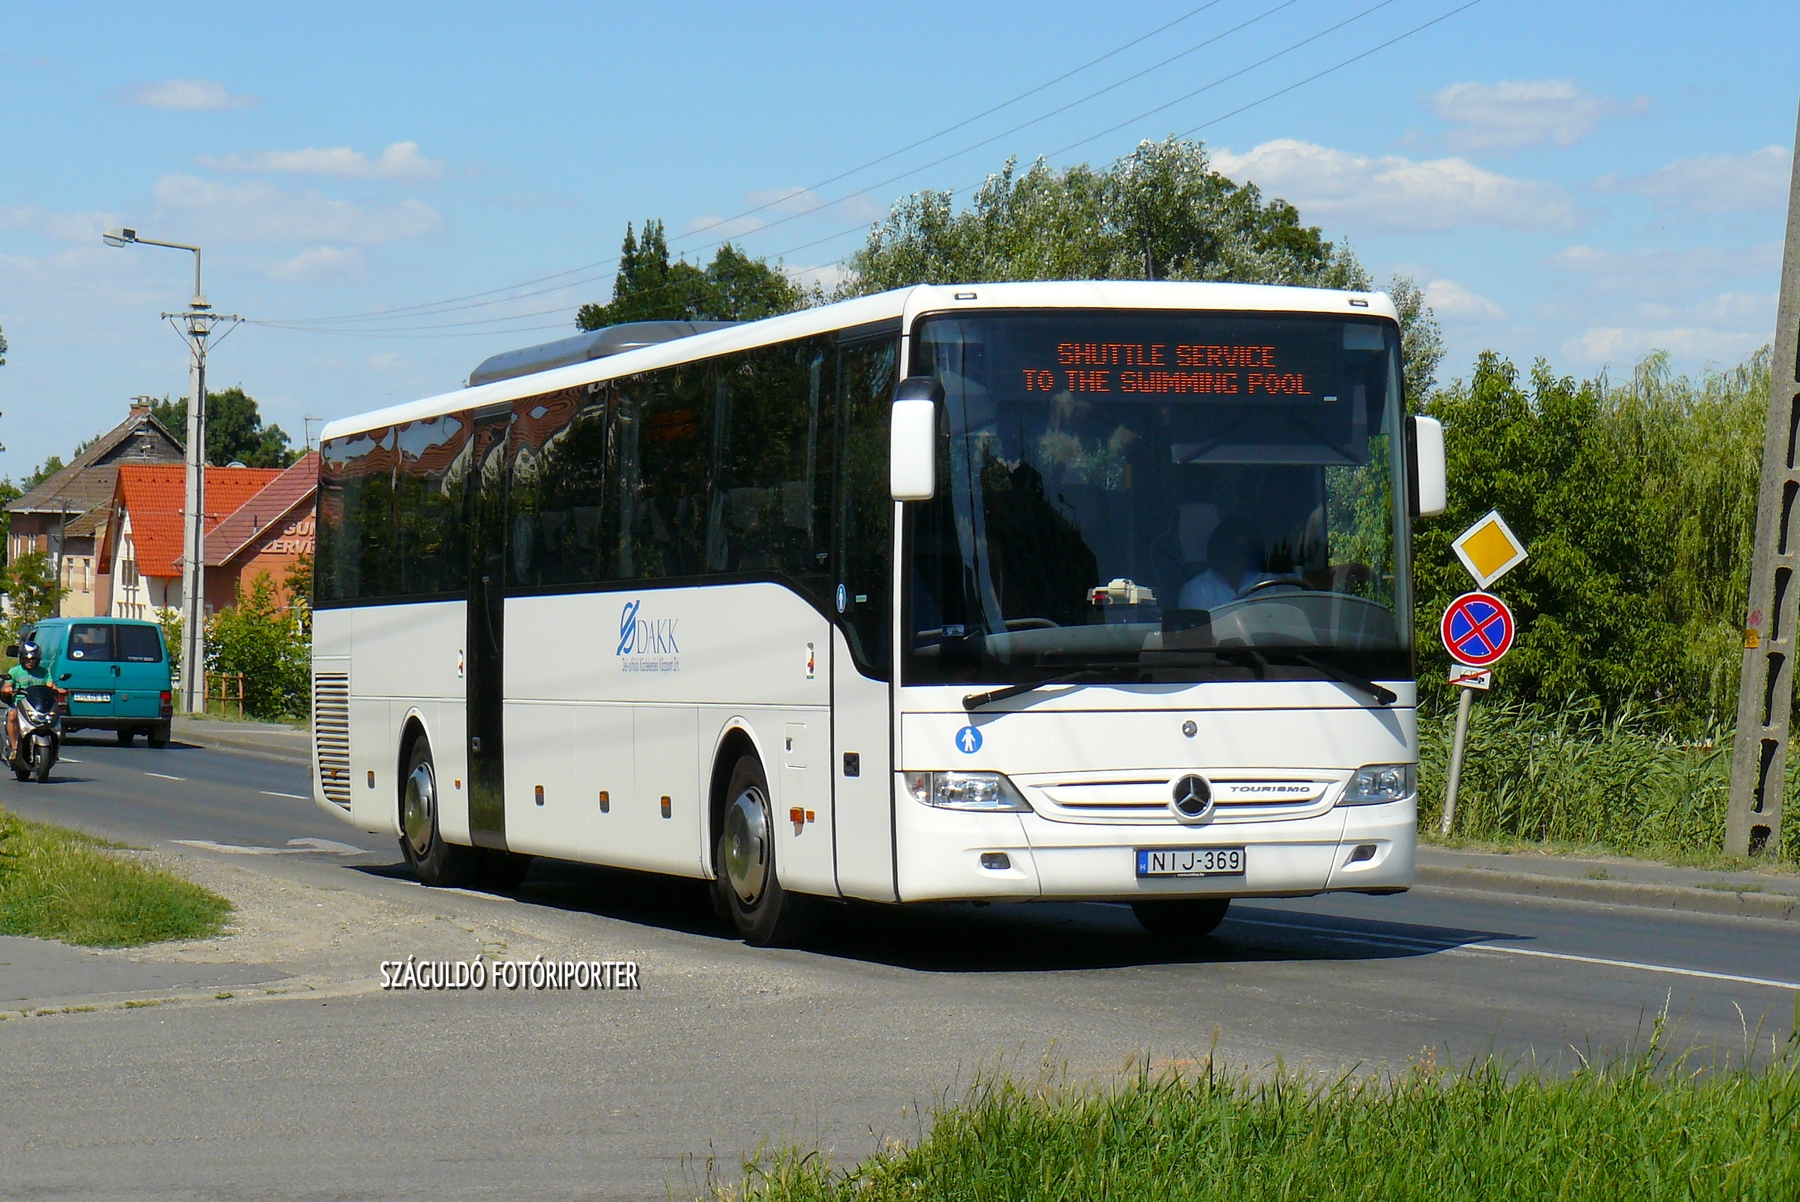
(1137, 356)
(1247, 370)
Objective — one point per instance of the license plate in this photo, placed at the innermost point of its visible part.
(91, 698)
(1190, 861)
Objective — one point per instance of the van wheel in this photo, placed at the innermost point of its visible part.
(432, 860)
(1181, 919)
(746, 879)
(158, 736)
(126, 736)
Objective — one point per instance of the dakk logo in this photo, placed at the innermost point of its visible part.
(647, 644)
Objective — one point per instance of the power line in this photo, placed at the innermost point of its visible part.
(1338, 66)
(419, 310)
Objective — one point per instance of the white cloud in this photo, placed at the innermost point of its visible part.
(1649, 272)
(825, 277)
(1517, 113)
(1393, 194)
(320, 263)
(185, 95)
(400, 161)
(62, 227)
(260, 212)
(1450, 299)
(1619, 344)
(1714, 183)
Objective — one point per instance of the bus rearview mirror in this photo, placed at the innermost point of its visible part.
(912, 439)
(1431, 492)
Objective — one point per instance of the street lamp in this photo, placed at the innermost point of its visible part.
(195, 324)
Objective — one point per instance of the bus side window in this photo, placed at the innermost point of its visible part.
(865, 505)
(771, 453)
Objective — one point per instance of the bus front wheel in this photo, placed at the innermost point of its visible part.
(746, 878)
(432, 860)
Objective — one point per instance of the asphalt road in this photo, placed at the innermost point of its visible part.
(349, 1091)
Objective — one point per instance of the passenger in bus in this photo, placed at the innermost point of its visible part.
(1234, 562)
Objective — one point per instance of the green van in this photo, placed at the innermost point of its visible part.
(116, 671)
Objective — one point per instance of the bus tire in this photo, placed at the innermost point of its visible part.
(746, 877)
(432, 860)
(1181, 919)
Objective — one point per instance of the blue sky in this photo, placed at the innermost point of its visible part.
(1583, 182)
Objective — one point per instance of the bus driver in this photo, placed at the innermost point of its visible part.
(1234, 562)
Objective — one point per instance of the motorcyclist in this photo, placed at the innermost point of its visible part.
(30, 670)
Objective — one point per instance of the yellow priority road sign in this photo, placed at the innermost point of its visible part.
(1489, 549)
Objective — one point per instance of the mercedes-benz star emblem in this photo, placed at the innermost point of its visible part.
(1192, 799)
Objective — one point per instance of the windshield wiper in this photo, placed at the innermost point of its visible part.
(1260, 657)
(1381, 695)
(974, 701)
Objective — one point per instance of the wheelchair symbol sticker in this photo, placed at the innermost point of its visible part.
(968, 740)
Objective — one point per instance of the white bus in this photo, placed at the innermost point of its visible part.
(1072, 591)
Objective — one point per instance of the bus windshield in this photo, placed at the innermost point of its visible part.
(1160, 496)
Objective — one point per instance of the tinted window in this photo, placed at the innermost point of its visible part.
(355, 547)
(431, 470)
(90, 643)
(661, 423)
(772, 438)
(559, 488)
(865, 504)
(139, 644)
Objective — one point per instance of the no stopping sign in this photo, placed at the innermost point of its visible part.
(1477, 629)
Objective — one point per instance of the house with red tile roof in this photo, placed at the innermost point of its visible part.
(264, 536)
(63, 515)
(140, 552)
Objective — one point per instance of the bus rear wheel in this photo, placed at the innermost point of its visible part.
(1181, 919)
(746, 878)
(432, 860)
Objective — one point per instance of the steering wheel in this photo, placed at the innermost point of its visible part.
(1290, 581)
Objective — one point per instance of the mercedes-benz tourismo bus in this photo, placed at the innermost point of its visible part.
(1073, 591)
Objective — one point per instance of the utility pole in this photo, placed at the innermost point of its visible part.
(1766, 685)
(196, 324)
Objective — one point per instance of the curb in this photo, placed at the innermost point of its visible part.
(1779, 907)
(248, 744)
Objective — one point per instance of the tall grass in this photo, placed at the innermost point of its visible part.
(1634, 1129)
(61, 884)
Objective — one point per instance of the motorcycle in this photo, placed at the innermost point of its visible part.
(40, 732)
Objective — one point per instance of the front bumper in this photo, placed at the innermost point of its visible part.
(1347, 848)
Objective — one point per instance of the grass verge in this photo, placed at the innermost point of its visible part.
(1621, 782)
(1629, 1131)
(62, 884)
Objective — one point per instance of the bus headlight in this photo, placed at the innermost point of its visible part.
(988, 791)
(1379, 784)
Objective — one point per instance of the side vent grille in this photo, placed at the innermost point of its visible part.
(331, 735)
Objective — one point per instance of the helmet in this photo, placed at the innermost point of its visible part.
(32, 656)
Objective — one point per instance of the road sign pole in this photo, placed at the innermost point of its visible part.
(1456, 759)
(1766, 682)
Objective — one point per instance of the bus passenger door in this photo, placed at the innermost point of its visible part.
(486, 618)
(861, 662)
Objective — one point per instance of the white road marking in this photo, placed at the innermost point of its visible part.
(295, 847)
(68, 759)
(272, 793)
(1483, 949)
(165, 776)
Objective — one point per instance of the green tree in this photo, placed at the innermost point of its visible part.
(268, 645)
(2, 348)
(44, 471)
(235, 432)
(1160, 212)
(1638, 504)
(9, 492)
(32, 592)
(650, 287)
